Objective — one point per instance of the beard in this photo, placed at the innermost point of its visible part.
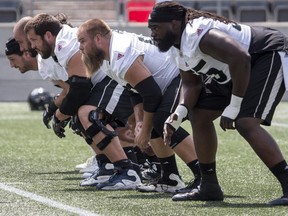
(25, 67)
(93, 60)
(46, 51)
(33, 53)
(166, 42)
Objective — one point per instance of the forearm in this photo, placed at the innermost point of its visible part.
(147, 125)
(240, 76)
(138, 112)
(190, 89)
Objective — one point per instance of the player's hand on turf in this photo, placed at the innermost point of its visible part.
(58, 126)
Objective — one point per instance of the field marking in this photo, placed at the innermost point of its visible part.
(280, 124)
(47, 201)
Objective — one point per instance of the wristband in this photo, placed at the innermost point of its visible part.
(181, 111)
(233, 109)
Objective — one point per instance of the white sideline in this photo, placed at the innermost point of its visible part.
(47, 201)
(280, 124)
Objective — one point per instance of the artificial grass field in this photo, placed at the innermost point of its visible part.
(34, 160)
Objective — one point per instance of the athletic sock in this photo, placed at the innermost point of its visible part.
(280, 171)
(102, 159)
(141, 157)
(194, 167)
(168, 166)
(129, 151)
(208, 173)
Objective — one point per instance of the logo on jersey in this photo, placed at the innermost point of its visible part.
(119, 56)
(199, 31)
(59, 47)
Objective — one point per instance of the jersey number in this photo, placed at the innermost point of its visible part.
(213, 72)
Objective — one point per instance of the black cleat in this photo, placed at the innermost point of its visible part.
(207, 192)
(193, 184)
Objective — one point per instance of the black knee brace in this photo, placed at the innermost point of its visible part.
(99, 125)
(78, 129)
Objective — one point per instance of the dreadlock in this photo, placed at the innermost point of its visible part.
(169, 10)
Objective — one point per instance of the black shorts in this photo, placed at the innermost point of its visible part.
(112, 97)
(170, 97)
(265, 90)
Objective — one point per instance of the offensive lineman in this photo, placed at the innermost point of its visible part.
(245, 67)
(130, 63)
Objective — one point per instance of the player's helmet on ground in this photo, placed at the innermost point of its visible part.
(39, 99)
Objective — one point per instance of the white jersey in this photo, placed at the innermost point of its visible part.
(66, 45)
(190, 57)
(126, 47)
(98, 77)
(51, 70)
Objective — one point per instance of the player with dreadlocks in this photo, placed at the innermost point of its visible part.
(244, 82)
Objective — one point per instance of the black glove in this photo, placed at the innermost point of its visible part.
(58, 126)
(48, 114)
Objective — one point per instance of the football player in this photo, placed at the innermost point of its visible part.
(134, 62)
(244, 70)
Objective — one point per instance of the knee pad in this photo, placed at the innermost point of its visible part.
(155, 135)
(99, 125)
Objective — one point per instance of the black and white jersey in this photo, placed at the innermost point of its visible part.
(190, 57)
(126, 47)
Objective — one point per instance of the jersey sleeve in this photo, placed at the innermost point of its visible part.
(66, 45)
(123, 54)
(193, 33)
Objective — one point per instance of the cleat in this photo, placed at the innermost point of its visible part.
(152, 174)
(171, 186)
(123, 179)
(282, 201)
(102, 174)
(84, 165)
(193, 184)
(207, 192)
(87, 175)
(91, 166)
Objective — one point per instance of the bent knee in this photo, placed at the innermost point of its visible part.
(83, 113)
(246, 126)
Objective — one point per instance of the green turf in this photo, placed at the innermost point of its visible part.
(33, 159)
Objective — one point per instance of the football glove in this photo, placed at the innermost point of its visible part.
(48, 114)
(58, 126)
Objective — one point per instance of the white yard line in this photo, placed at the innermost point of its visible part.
(47, 201)
(280, 124)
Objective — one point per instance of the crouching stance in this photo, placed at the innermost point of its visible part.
(98, 129)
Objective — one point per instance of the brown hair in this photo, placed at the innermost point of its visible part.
(95, 26)
(42, 23)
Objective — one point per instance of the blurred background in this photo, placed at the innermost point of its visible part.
(128, 15)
